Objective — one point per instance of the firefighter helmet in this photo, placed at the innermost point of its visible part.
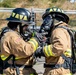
(56, 13)
(20, 15)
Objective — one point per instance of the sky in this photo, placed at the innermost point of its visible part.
(72, 1)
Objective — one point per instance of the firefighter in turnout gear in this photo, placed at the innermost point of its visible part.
(58, 50)
(13, 43)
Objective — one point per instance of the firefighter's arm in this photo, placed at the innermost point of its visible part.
(23, 49)
(57, 47)
(59, 43)
(36, 40)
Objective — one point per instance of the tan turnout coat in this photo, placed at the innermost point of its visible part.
(60, 42)
(12, 43)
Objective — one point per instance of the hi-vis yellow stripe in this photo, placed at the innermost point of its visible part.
(68, 53)
(68, 74)
(48, 51)
(3, 57)
(55, 9)
(18, 16)
(34, 43)
(32, 74)
(50, 10)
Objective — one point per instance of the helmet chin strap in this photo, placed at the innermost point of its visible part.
(20, 28)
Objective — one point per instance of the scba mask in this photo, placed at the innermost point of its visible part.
(47, 24)
(27, 33)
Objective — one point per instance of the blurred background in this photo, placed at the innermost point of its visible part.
(40, 6)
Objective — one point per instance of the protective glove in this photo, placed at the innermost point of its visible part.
(40, 38)
(39, 52)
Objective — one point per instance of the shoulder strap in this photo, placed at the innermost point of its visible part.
(4, 63)
(72, 41)
(4, 30)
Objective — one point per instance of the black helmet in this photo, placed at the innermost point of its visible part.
(56, 13)
(20, 15)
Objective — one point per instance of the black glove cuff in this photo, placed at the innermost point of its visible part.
(42, 53)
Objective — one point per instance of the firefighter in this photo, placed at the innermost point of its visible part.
(57, 51)
(13, 43)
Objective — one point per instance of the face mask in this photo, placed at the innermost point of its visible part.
(47, 24)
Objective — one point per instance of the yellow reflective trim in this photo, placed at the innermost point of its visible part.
(3, 74)
(17, 16)
(34, 43)
(25, 18)
(32, 74)
(13, 14)
(55, 9)
(3, 57)
(50, 10)
(45, 51)
(21, 17)
(48, 51)
(59, 10)
(33, 34)
(68, 74)
(68, 53)
(18, 58)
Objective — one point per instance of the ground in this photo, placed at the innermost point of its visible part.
(39, 66)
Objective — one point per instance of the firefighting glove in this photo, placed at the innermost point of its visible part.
(39, 38)
(39, 52)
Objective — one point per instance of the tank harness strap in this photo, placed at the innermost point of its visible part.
(65, 65)
(72, 41)
(68, 60)
(4, 30)
(4, 63)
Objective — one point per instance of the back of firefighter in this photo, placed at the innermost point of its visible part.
(58, 51)
(13, 43)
